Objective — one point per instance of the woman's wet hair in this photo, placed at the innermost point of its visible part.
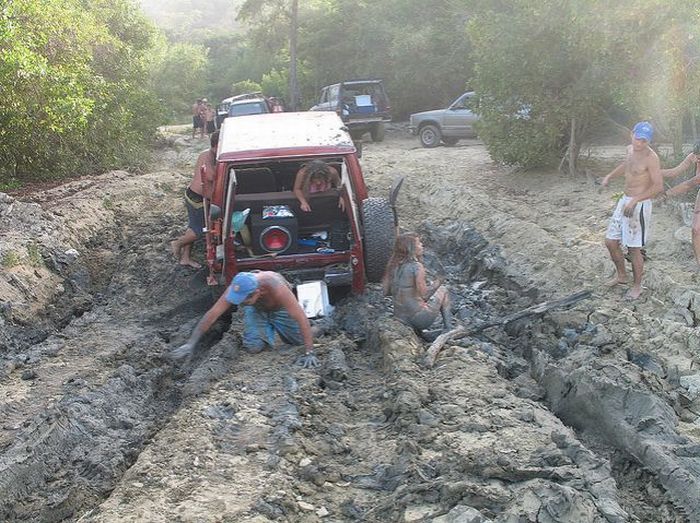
(317, 168)
(404, 250)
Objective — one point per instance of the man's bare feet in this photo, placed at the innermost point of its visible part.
(616, 281)
(191, 263)
(634, 293)
(177, 250)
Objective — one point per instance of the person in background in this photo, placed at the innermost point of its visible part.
(201, 186)
(631, 220)
(202, 113)
(211, 119)
(415, 302)
(269, 307)
(196, 118)
(692, 160)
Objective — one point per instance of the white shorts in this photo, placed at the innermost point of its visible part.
(632, 231)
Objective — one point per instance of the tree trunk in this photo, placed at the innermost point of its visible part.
(293, 82)
(573, 149)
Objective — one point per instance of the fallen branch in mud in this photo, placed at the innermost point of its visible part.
(462, 331)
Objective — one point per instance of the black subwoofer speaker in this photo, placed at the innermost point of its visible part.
(274, 235)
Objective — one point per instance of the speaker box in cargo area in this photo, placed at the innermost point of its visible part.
(274, 234)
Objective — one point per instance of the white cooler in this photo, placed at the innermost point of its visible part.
(313, 297)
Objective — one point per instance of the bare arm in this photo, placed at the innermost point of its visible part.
(386, 284)
(287, 300)
(299, 191)
(421, 286)
(203, 326)
(617, 171)
(208, 176)
(685, 186)
(687, 162)
(336, 182)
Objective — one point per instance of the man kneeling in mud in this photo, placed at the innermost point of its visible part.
(631, 221)
(268, 306)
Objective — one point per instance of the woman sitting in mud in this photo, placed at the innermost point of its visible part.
(314, 177)
(415, 303)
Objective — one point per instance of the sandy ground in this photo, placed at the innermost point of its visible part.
(589, 414)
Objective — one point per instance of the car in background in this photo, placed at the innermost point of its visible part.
(246, 104)
(363, 105)
(446, 125)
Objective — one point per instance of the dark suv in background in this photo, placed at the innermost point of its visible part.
(362, 105)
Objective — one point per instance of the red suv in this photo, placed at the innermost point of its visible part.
(255, 221)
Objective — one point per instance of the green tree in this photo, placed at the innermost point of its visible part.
(565, 66)
(74, 94)
(178, 77)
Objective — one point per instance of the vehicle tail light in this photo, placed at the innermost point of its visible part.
(276, 239)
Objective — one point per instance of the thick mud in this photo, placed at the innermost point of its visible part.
(589, 414)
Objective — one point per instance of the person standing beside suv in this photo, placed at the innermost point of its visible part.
(201, 186)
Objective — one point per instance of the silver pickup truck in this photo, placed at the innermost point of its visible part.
(446, 125)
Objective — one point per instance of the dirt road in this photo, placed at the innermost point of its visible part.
(589, 414)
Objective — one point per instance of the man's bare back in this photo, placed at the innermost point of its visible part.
(274, 291)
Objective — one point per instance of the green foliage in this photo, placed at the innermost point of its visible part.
(73, 88)
(178, 78)
(570, 63)
(35, 259)
(245, 86)
(10, 259)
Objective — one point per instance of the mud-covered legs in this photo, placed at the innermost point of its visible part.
(442, 296)
(637, 270)
(182, 248)
(696, 233)
(618, 259)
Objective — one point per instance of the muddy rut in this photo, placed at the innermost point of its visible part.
(575, 416)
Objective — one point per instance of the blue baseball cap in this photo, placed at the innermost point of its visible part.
(242, 286)
(643, 131)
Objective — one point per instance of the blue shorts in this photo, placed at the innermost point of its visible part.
(195, 218)
(259, 328)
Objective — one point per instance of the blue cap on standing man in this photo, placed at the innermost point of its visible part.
(643, 131)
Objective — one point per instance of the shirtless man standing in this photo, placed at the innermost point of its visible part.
(630, 223)
(201, 186)
(269, 307)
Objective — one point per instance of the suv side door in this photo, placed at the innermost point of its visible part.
(458, 120)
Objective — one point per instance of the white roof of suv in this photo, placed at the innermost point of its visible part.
(283, 135)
